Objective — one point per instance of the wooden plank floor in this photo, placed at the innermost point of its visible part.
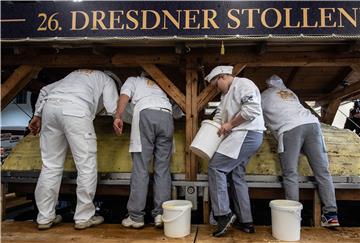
(27, 232)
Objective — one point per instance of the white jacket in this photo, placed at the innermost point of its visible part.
(283, 111)
(84, 87)
(243, 98)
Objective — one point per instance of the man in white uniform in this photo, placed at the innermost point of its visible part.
(296, 130)
(242, 123)
(151, 136)
(64, 112)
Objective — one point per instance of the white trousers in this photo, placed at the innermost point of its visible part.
(65, 123)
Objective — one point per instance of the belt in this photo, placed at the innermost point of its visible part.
(60, 100)
(160, 109)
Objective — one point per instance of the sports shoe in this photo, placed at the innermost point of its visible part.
(93, 221)
(329, 220)
(223, 224)
(55, 221)
(158, 221)
(246, 227)
(128, 222)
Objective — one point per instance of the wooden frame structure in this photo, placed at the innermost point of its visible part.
(194, 99)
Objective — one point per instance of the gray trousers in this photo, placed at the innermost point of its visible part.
(156, 131)
(309, 139)
(221, 166)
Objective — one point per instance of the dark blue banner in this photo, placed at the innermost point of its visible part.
(178, 18)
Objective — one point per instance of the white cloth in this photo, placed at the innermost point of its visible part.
(144, 93)
(243, 98)
(283, 112)
(84, 87)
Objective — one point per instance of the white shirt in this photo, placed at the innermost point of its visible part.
(283, 112)
(243, 98)
(84, 87)
(144, 93)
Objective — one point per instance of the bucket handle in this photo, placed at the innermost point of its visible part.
(176, 217)
(293, 212)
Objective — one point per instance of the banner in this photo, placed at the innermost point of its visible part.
(178, 18)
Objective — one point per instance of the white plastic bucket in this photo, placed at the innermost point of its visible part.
(177, 218)
(206, 141)
(286, 219)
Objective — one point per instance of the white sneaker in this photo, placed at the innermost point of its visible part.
(55, 221)
(158, 221)
(93, 221)
(128, 222)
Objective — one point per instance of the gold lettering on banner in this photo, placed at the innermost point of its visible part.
(74, 20)
(288, 19)
(250, 16)
(168, 16)
(191, 18)
(145, 19)
(326, 16)
(52, 22)
(233, 18)
(305, 19)
(98, 20)
(132, 20)
(210, 20)
(117, 20)
(263, 18)
(351, 19)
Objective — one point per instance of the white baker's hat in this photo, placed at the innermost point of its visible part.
(219, 70)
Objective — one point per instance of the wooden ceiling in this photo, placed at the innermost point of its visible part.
(312, 70)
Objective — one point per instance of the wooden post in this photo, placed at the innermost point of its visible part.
(316, 209)
(16, 82)
(206, 206)
(3, 201)
(330, 111)
(191, 121)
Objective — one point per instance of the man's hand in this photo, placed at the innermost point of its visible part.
(35, 125)
(118, 126)
(225, 129)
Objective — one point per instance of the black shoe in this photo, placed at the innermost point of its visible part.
(223, 224)
(246, 227)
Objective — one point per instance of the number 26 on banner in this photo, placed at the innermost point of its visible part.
(50, 23)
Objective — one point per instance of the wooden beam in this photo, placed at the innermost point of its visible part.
(16, 82)
(345, 93)
(233, 56)
(238, 68)
(296, 59)
(289, 82)
(89, 60)
(165, 83)
(356, 68)
(191, 122)
(59, 60)
(339, 78)
(209, 93)
(310, 108)
(330, 111)
(128, 59)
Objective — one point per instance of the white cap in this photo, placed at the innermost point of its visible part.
(275, 81)
(219, 70)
